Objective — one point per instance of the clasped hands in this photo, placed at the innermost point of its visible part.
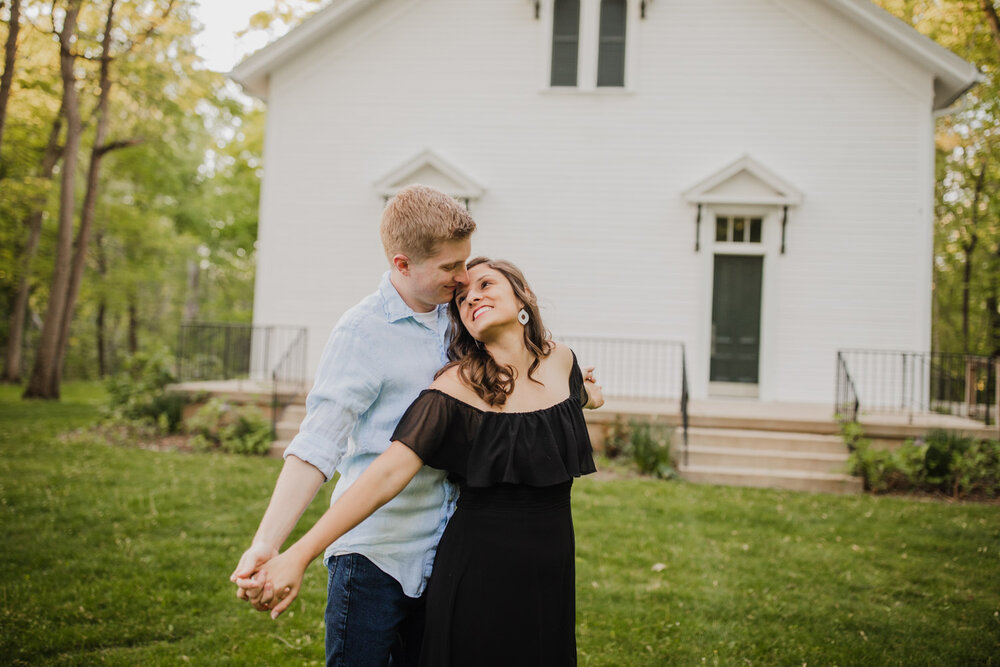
(269, 581)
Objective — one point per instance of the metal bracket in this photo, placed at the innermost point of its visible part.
(784, 222)
(697, 230)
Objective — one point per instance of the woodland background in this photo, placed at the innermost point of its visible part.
(129, 181)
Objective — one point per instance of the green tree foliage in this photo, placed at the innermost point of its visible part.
(179, 189)
(967, 211)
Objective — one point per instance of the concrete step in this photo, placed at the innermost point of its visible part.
(766, 459)
(756, 440)
(771, 424)
(795, 480)
(277, 449)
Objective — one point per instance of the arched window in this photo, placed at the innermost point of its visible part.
(565, 42)
(611, 50)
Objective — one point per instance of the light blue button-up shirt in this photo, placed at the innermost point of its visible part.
(376, 362)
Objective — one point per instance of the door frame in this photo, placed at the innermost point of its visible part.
(770, 249)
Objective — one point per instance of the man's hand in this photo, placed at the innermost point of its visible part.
(247, 587)
(593, 389)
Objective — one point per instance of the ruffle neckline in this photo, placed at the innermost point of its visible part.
(497, 412)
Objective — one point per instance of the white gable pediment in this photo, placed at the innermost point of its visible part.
(745, 181)
(429, 168)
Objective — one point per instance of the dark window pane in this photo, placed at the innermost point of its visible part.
(721, 228)
(611, 51)
(565, 42)
(755, 230)
(739, 226)
(566, 20)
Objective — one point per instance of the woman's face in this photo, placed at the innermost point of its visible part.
(487, 302)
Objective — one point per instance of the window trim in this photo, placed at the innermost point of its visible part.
(588, 49)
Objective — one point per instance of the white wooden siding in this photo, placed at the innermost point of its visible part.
(583, 189)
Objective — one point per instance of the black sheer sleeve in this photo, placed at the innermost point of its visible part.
(577, 387)
(424, 424)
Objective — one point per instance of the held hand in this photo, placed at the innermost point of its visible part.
(248, 587)
(283, 576)
(593, 389)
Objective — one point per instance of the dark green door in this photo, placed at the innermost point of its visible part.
(736, 319)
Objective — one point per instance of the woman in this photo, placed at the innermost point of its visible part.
(504, 419)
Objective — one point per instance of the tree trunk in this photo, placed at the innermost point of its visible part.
(90, 197)
(966, 281)
(12, 360)
(9, 53)
(44, 377)
(969, 248)
(99, 325)
(133, 325)
(102, 307)
(992, 19)
(193, 278)
(993, 306)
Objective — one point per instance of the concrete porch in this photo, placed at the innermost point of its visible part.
(737, 442)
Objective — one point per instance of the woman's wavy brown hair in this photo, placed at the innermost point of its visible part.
(491, 381)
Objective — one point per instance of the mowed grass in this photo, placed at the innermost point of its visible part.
(122, 556)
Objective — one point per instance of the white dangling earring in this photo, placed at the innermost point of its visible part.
(523, 317)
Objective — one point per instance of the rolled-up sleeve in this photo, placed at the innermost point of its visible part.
(346, 385)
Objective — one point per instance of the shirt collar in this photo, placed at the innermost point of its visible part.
(395, 308)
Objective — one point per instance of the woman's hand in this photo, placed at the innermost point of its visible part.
(281, 580)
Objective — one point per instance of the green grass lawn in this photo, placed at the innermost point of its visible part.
(123, 555)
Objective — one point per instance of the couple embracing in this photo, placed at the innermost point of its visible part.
(456, 425)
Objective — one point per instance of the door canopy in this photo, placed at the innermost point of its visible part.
(744, 182)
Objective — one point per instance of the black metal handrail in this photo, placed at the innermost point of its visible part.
(227, 351)
(847, 404)
(684, 401)
(914, 383)
(633, 368)
(638, 368)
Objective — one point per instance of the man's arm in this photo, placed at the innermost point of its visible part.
(345, 387)
(296, 487)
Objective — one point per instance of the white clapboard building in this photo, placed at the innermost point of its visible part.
(752, 179)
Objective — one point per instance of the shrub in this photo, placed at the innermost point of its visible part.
(976, 471)
(943, 448)
(942, 461)
(649, 446)
(616, 439)
(237, 429)
(138, 393)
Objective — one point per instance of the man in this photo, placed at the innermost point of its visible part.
(381, 354)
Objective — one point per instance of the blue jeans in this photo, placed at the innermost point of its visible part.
(370, 622)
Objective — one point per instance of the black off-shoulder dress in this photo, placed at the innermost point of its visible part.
(502, 591)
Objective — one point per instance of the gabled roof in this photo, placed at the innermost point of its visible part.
(429, 168)
(254, 71)
(745, 181)
(953, 76)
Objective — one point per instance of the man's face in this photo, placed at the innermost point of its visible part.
(433, 280)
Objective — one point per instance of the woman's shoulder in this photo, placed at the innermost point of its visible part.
(450, 382)
(562, 356)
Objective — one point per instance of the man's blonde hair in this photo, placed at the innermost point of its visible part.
(419, 219)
